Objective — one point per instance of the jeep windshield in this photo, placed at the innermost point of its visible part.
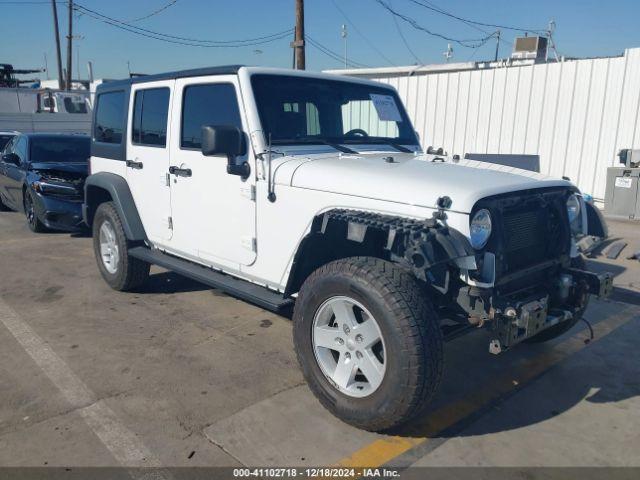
(300, 111)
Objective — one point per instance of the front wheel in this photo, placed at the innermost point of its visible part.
(368, 341)
(110, 245)
(34, 223)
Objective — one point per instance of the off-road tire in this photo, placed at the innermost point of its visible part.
(34, 223)
(131, 273)
(561, 328)
(410, 328)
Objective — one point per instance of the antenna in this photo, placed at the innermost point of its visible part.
(550, 32)
(449, 53)
(343, 34)
(271, 196)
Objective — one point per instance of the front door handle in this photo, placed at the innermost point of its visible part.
(134, 164)
(180, 172)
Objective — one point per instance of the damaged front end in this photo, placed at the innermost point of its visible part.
(527, 279)
(523, 281)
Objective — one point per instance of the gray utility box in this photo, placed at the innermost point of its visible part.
(622, 197)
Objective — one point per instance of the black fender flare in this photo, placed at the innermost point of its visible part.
(425, 247)
(117, 187)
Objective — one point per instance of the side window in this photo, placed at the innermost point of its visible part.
(6, 147)
(78, 106)
(210, 104)
(109, 117)
(20, 148)
(150, 112)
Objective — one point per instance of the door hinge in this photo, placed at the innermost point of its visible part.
(249, 192)
(170, 223)
(249, 243)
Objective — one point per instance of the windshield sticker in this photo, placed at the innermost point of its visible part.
(386, 107)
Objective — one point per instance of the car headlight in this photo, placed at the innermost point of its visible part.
(480, 228)
(573, 207)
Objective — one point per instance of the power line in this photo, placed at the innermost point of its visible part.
(155, 12)
(182, 40)
(369, 42)
(467, 43)
(335, 56)
(404, 40)
(434, 8)
(469, 23)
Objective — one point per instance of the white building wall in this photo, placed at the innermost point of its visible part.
(576, 114)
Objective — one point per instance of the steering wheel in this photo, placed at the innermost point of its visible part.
(356, 132)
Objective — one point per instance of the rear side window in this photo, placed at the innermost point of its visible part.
(150, 112)
(212, 104)
(109, 117)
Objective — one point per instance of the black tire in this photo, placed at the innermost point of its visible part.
(561, 328)
(130, 273)
(412, 337)
(3, 207)
(33, 222)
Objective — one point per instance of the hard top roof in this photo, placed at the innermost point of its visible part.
(194, 72)
(230, 70)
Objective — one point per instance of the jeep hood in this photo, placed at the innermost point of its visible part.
(409, 179)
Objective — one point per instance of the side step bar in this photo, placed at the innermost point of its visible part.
(235, 287)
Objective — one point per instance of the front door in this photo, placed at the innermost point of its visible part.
(214, 213)
(148, 157)
(14, 174)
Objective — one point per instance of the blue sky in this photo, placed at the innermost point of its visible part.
(584, 28)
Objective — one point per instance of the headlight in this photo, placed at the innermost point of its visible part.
(573, 207)
(480, 228)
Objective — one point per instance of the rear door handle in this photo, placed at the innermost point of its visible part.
(180, 172)
(134, 164)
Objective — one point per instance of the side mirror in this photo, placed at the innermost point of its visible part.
(226, 140)
(11, 158)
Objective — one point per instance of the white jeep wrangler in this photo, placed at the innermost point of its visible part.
(286, 188)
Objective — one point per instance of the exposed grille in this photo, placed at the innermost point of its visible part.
(525, 237)
(530, 228)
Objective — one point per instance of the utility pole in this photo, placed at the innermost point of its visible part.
(299, 41)
(343, 33)
(57, 33)
(69, 46)
(498, 33)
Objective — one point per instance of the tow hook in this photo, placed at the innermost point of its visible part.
(494, 347)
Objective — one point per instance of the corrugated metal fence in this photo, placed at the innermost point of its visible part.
(575, 114)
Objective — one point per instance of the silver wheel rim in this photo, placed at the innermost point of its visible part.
(109, 247)
(349, 346)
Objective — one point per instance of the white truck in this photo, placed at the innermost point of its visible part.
(311, 191)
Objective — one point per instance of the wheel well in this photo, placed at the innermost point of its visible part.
(94, 196)
(319, 249)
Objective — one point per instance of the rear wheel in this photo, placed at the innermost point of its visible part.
(561, 328)
(34, 223)
(368, 341)
(111, 247)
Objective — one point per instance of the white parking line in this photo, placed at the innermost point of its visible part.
(123, 444)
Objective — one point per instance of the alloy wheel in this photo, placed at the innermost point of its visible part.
(109, 252)
(349, 346)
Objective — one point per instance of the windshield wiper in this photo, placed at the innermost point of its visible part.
(312, 140)
(393, 144)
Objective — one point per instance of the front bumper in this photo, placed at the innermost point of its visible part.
(518, 317)
(59, 213)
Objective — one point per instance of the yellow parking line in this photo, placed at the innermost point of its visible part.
(384, 450)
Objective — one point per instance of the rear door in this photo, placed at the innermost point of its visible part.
(148, 157)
